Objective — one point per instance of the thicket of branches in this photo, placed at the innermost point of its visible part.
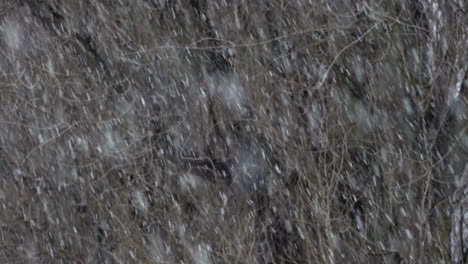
(231, 131)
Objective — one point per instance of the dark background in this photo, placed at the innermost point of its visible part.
(231, 131)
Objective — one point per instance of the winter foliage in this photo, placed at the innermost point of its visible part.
(170, 131)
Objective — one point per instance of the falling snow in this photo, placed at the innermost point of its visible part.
(233, 131)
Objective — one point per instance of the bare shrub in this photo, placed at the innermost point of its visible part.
(231, 132)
